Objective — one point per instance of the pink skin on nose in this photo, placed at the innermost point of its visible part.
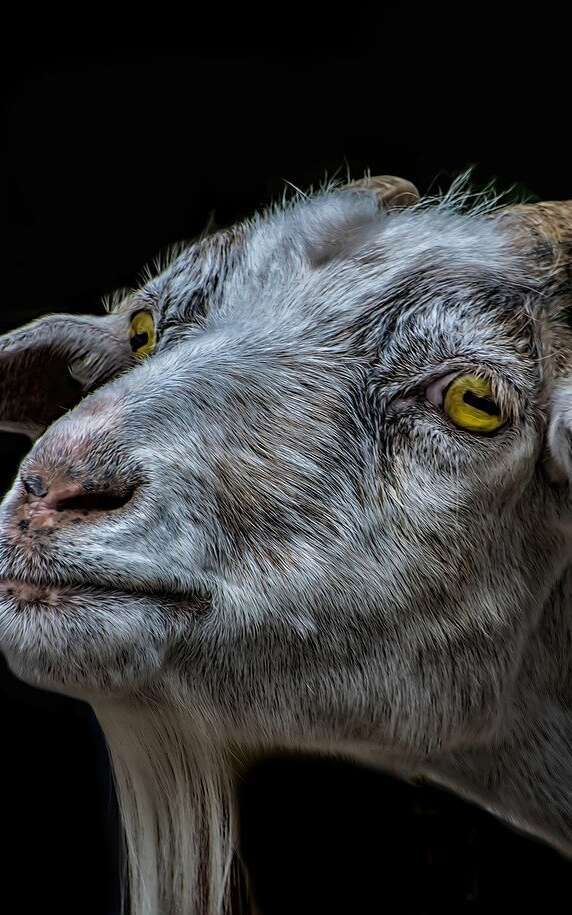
(43, 511)
(43, 502)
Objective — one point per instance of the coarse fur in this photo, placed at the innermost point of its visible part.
(301, 549)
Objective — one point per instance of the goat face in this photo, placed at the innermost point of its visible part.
(331, 501)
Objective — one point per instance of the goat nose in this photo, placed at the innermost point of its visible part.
(53, 499)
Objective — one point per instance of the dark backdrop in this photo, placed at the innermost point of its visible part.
(124, 139)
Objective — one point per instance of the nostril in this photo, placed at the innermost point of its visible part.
(65, 495)
(93, 501)
(34, 485)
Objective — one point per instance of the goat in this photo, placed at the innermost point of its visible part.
(308, 487)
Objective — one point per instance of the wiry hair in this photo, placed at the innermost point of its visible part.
(304, 550)
(182, 838)
(175, 787)
(462, 197)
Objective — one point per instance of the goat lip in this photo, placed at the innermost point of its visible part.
(52, 594)
(25, 592)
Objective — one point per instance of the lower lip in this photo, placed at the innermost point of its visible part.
(23, 595)
(23, 592)
(26, 593)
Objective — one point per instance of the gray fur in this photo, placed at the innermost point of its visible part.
(313, 556)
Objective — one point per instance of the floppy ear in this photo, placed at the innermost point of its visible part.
(46, 367)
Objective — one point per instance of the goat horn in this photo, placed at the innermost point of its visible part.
(391, 192)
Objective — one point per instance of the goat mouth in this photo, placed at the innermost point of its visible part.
(26, 594)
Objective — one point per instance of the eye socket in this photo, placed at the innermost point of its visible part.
(468, 401)
(142, 334)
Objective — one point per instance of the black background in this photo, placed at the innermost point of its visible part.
(124, 137)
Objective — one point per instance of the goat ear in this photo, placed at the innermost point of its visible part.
(391, 192)
(560, 433)
(46, 367)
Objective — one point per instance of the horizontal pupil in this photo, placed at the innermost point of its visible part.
(139, 340)
(481, 403)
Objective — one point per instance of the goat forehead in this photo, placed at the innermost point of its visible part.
(328, 347)
(276, 357)
(272, 254)
(410, 265)
(428, 273)
(348, 317)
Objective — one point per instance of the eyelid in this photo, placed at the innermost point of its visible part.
(436, 390)
(142, 309)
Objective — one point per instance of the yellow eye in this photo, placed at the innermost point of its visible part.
(470, 404)
(142, 334)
